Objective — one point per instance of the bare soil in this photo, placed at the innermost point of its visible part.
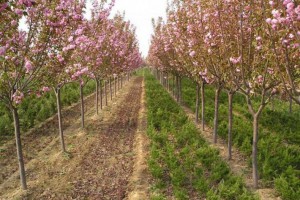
(101, 158)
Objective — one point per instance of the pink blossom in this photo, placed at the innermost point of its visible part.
(3, 7)
(260, 79)
(271, 3)
(258, 38)
(192, 54)
(46, 89)
(275, 13)
(290, 6)
(19, 11)
(235, 60)
(13, 22)
(71, 38)
(17, 97)
(60, 58)
(270, 71)
(2, 51)
(28, 65)
(269, 20)
(285, 2)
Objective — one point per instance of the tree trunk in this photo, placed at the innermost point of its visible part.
(272, 104)
(61, 134)
(115, 86)
(97, 96)
(180, 90)
(121, 81)
(230, 119)
(105, 91)
(173, 82)
(110, 89)
(82, 106)
(19, 147)
(216, 114)
(101, 95)
(254, 151)
(291, 105)
(203, 105)
(168, 82)
(197, 102)
(177, 88)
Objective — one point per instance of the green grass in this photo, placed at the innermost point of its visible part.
(180, 159)
(34, 110)
(279, 137)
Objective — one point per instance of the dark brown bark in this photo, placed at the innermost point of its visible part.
(115, 84)
(19, 147)
(101, 95)
(216, 114)
(173, 82)
(59, 116)
(177, 89)
(105, 91)
(197, 102)
(82, 106)
(168, 82)
(110, 89)
(254, 151)
(121, 81)
(290, 105)
(203, 105)
(97, 96)
(180, 90)
(230, 119)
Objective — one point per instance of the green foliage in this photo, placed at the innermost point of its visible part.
(34, 110)
(180, 157)
(279, 136)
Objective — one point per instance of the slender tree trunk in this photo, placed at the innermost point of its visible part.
(203, 105)
(118, 79)
(121, 81)
(216, 114)
(110, 89)
(180, 90)
(197, 102)
(128, 76)
(82, 106)
(173, 82)
(105, 92)
(230, 119)
(115, 85)
(272, 104)
(177, 88)
(101, 95)
(168, 82)
(97, 96)
(291, 105)
(61, 134)
(254, 151)
(19, 147)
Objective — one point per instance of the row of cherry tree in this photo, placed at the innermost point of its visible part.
(59, 47)
(246, 46)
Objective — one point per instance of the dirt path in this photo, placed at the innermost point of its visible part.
(139, 182)
(100, 158)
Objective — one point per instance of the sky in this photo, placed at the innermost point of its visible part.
(140, 13)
